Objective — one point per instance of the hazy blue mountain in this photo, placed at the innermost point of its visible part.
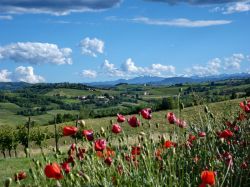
(136, 80)
(141, 80)
(171, 80)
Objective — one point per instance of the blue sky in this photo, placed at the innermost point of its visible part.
(97, 40)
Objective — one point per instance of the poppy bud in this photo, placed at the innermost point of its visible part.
(66, 167)
(81, 123)
(182, 106)
(206, 109)
(102, 130)
(20, 176)
(157, 125)
(108, 161)
(202, 134)
(8, 182)
(86, 177)
(142, 133)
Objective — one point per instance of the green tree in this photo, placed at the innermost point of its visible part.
(168, 103)
(23, 138)
(39, 136)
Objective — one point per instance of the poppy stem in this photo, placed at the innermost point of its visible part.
(56, 135)
(229, 165)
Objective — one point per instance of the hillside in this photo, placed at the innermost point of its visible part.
(65, 101)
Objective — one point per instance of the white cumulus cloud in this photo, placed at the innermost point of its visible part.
(26, 74)
(129, 66)
(111, 70)
(217, 65)
(237, 7)
(89, 73)
(130, 69)
(5, 75)
(36, 53)
(234, 61)
(92, 46)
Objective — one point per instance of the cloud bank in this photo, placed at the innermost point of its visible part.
(217, 65)
(21, 73)
(54, 7)
(36, 53)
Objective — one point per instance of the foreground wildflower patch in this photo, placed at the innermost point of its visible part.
(213, 153)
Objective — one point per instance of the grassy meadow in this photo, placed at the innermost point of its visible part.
(158, 126)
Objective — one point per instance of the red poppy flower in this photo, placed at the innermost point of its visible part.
(66, 167)
(120, 169)
(20, 176)
(241, 117)
(109, 152)
(169, 144)
(245, 106)
(71, 159)
(201, 134)
(116, 128)
(229, 124)
(133, 121)
(181, 123)
(171, 117)
(247, 109)
(228, 158)
(207, 177)
(69, 130)
(100, 144)
(242, 105)
(158, 154)
(108, 161)
(225, 134)
(99, 154)
(89, 134)
(146, 113)
(191, 138)
(244, 165)
(120, 118)
(136, 150)
(236, 128)
(130, 158)
(53, 171)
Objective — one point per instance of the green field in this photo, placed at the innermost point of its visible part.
(71, 92)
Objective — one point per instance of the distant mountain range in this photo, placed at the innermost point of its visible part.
(141, 80)
(170, 80)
